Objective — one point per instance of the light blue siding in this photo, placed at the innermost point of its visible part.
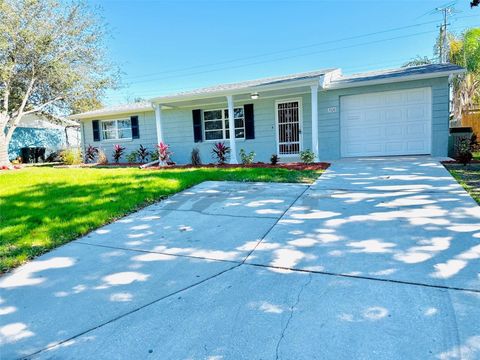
(329, 123)
(178, 128)
(50, 139)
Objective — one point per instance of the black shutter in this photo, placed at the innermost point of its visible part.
(197, 125)
(135, 129)
(96, 130)
(249, 122)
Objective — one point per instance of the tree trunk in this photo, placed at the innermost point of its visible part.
(4, 161)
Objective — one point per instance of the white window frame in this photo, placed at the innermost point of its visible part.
(300, 125)
(224, 128)
(102, 131)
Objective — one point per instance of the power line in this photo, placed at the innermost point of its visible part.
(282, 58)
(289, 50)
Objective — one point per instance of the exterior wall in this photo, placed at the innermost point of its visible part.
(329, 123)
(148, 135)
(51, 139)
(178, 128)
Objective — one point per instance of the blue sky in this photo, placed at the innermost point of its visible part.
(168, 46)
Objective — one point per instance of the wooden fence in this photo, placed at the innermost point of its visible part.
(472, 119)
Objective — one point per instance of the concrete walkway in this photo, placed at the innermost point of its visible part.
(378, 259)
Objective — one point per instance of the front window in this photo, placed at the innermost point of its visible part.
(215, 124)
(116, 129)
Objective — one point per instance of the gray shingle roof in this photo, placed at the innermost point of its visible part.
(395, 73)
(253, 83)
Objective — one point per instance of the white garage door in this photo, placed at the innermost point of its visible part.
(386, 123)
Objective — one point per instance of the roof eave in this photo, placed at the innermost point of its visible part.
(284, 85)
(333, 86)
(87, 116)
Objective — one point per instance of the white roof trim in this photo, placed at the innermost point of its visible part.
(107, 112)
(343, 85)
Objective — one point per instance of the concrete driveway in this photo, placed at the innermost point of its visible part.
(379, 259)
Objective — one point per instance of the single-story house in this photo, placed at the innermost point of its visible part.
(50, 132)
(401, 111)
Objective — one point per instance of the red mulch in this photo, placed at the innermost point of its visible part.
(289, 166)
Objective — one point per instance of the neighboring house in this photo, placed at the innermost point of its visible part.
(391, 112)
(35, 130)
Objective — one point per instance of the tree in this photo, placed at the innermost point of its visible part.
(474, 3)
(417, 61)
(52, 60)
(465, 51)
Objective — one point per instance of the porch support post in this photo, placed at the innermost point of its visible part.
(158, 122)
(231, 129)
(314, 91)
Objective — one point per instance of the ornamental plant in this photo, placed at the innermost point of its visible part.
(91, 153)
(464, 151)
(142, 153)
(195, 156)
(220, 152)
(274, 159)
(118, 152)
(132, 157)
(247, 158)
(307, 156)
(164, 152)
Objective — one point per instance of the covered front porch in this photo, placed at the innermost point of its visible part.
(278, 118)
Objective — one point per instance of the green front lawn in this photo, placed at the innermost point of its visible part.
(42, 208)
(468, 177)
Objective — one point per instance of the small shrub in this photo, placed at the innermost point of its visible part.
(132, 157)
(220, 152)
(164, 152)
(464, 151)
(247, 158)
(118, 152)
(196, 157)
(307, 156)
(274, 159)
(154, 155)
(91, 153)
(54, 156)
(102, 158)
(71, 157)
(475, 146)
(142, 153)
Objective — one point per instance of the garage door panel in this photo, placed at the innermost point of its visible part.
(388, 123)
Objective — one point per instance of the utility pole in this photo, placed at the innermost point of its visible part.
(443, 51)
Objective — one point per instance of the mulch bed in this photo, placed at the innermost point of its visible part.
(288, 166)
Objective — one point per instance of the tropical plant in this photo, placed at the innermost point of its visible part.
(465, 51)
(196, 160)
(118, 152)
(464, 151)
(418, 61)
(142, 153)
(71, 156)
(307, 156)
(164, 152)
(247, 158)
(274, 159)
(52, 60)
(132, 157)
(91, 153)
(220, 152)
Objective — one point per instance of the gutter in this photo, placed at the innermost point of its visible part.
(389, 80)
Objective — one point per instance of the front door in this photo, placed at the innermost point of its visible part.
(289, 127)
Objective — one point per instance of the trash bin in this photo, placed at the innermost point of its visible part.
(32, 154)
(457, 134)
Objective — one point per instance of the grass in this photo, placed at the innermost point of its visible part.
(476, 155)
(469, 177)
(42, 208)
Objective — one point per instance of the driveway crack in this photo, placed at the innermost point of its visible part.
(292, 310)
